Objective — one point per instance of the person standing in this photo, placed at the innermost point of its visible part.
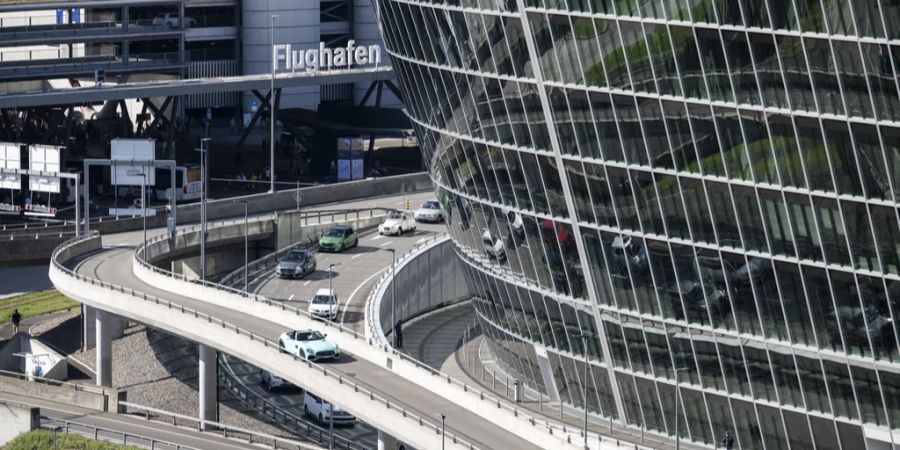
(398, 334)
(728, 441)
(16, 319)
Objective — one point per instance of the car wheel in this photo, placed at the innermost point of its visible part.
(321, 419)
(305, 410)
(269, 385)
(356, 242)
(281, 346)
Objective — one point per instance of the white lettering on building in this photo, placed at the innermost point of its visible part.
(314, 59)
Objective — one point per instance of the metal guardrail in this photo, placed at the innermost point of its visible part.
(372, 395)
(295, 424)
(108, 434)
(228, 431)
(77, 387)
(373, 305)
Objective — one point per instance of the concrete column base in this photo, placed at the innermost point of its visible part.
(208, 386)
(386, 441)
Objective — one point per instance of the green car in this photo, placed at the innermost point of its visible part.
(338, 238)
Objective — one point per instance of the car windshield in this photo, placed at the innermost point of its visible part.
(323, 300)
(335, 232)
(309, 336)
(396, 215)
(295, 256)
(431, 205)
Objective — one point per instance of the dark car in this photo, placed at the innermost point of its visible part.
(297, 264)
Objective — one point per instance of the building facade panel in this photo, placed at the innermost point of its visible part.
(692, 189)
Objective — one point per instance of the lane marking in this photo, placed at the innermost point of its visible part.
(307, 282)
(291, 297)
(421, 241)
(356, 256)
(355, 291)
(386, 244)
(377, 237)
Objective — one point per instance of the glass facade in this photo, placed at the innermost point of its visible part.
(661, 185)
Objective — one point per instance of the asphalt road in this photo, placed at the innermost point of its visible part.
(354, 274)
(114, 265)
(290, 399)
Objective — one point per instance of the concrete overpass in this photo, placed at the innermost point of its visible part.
(398, 397)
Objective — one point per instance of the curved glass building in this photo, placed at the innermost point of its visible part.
(675, 188)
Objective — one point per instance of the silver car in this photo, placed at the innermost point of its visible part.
(297, 264)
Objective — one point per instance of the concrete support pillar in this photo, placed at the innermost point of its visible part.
(103, 347)
(115, 324)
(386, 441)
(209, 394)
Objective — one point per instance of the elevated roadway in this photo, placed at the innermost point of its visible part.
(246, 329)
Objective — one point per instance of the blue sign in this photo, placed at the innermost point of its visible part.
(60, 16)
(76, 15)
(253, 105)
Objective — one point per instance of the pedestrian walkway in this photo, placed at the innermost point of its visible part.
(436, 339)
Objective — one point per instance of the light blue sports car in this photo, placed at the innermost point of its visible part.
(308, 344)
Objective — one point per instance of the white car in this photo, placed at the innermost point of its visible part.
(324, 305)
(271, 381)
(430, 211)
(397, 222)
(308, 344)
(315, 406)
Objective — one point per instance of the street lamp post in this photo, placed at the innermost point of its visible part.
(246, 245)
(204, 155)
(443, 419)
(393, 289)
(330, 285)
(272, 113)
(584, 384)
(138, 173)
(678, 406)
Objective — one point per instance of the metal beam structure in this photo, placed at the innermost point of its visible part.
(172, 88)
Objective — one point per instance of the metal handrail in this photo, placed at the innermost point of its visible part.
(203, 424)
(287, 420)
(385, 400)
(71, 426)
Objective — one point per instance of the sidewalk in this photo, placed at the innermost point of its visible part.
(435, 340)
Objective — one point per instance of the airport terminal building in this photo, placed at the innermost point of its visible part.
(705, 190)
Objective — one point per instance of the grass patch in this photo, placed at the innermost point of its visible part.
(35, 303)
(43, 439)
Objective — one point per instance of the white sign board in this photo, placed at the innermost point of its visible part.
(133, 150)
(10, 158)
(44, 158)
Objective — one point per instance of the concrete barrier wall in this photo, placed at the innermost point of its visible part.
(66, 394)
(431, 278)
